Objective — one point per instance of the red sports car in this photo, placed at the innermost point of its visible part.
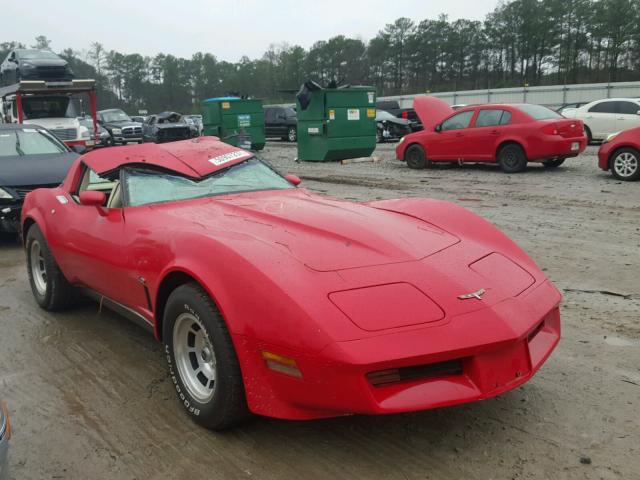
(274, 300)
(510, 135)
(620, 153)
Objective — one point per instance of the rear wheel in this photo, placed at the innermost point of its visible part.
(202, 361)
(587, 132)
(379, 136)
(556, 162)
(51, 290)
(415, 157)
(625, 164)
(512, 159)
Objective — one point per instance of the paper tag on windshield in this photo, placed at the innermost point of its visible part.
(228, 157)
(371, 96)
(353, 114)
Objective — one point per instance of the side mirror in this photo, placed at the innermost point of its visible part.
(438, 127)
(293, 179)
(92, 198)
(80, 149)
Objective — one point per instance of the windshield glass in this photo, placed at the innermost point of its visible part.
(115, 116)
(29, 141)
(145, 186)
(37, 54)
(538, 112)
(46, 107)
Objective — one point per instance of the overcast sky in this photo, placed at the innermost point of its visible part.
(229, 29)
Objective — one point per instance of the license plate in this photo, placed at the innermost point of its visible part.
(575, 146)
(89, 142)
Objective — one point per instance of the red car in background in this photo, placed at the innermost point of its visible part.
(620, 153)
(510, 135)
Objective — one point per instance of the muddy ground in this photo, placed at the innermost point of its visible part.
(90, 396)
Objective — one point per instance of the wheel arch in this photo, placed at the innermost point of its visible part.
(510, 141)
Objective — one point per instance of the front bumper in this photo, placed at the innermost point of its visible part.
(123, 140)
(516, 337)
(603, 155)
(10, 218)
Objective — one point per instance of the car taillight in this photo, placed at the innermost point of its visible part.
(550, 129)
(405, 115)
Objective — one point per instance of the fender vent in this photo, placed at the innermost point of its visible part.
(383, 378)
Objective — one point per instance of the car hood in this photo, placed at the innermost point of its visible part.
(431, 111)
(322, 233)
(47, 169)
(122, 123)
(54, 123)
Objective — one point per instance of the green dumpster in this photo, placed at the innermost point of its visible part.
(335, 123)
(235, 121)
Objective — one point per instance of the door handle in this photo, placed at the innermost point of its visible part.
(494, 132)
(620, 118)
(459, 134)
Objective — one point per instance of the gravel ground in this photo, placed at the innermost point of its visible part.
(90, 397)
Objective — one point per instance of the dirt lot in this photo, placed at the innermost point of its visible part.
(90, 397)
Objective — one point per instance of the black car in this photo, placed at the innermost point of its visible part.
(389, 127)
(120, 126)
(281, 122)
(22, 64)
(166, 127)
(393, 107)
(30, 157)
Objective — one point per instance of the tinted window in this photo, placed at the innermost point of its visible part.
(268, 114)
(461, 120)
(538, 112)
(29, 141)
(290, 112)
(491, 118)
(604, 107)
(628, 108)
(387, 105)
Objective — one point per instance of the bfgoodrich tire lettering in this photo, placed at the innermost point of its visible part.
(204, 368)
(50, 288)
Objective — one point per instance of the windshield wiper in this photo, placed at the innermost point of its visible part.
(18, 149)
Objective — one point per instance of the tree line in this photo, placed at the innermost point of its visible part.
(522, 42)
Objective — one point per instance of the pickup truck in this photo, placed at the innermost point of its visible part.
(393, 107)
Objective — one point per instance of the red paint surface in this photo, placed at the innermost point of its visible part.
(626, 139)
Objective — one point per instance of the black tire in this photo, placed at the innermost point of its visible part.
(292, 134)
(379, 136)
(415, 157)
(227, 405)
(625, 164)
(512, 159)
(589, 135)
(57, 292)
(554, 163)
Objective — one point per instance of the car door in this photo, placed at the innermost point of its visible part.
(601, 118)
(268, 121)
(628, 115)
(280, 122)
(94, 253)
(451, 141)
(487, 129)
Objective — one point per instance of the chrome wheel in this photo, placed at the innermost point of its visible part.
(194, 356)
(38, 268)
(292, 134)
(625, 164)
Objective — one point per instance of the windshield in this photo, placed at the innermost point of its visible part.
(36, 54)
(29, 141)
(538, 112)
(145, 186)
(115, 116)
(46, 107)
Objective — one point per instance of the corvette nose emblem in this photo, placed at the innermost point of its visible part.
(477, 294)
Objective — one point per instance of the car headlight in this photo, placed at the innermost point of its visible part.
(5, 195)
(611, 137)
(27, 64)
(116, 131)
(401, 140)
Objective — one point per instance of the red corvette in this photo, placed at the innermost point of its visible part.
(510, 135)
(274, 300)
(620, 153)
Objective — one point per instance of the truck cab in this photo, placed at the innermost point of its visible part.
(52, 106)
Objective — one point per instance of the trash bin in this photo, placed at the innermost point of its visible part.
(335, 123)
(234, 120)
